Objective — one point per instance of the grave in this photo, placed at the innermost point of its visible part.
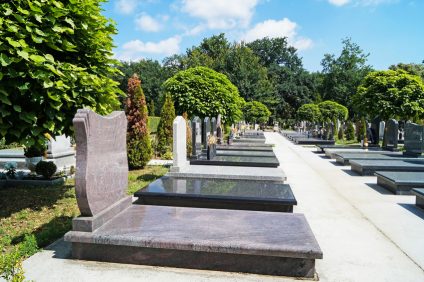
(345, 158)
(206, 132)
(245, 147)
(218, 194)
(375, 131)
(245, 153)
(400, 182)
(60, 151)
(219, 130)
(252, 161)
(249, 140)
(419, 194)
(113, 229)
(196, 137)
(179, 151)
(331, 153)
(391, 135)
(414, 141)
(369, 167)
(213, 125)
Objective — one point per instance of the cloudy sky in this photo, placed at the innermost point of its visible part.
(391, 31)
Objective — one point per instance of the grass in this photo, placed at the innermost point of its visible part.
(34, 217)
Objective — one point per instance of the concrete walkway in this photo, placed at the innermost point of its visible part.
(365, 233)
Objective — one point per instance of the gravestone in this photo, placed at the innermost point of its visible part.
(196, 137)
(414, 139)
(382, 126)
(101, 177)
(213, 123)
(219, 134)
(375, 131)
(206, 132)
(60, 151)
(179, 144)
(390, 141)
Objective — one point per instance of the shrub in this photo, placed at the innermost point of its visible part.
(153, 124)
(138, 138)
(46, 169)
(34, 151)
(152, 107)
(10, 168)
(164, 135)
(340, 134)
(167, 155)
(350, 131)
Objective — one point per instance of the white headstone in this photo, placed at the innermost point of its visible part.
(381, 131)
(60, 151)
(179, 144)
(59, 145)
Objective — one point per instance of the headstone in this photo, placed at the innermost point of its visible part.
(211, 152)
(414, 139)
(196, 137)
(213, 124)
(381, 130)
(179, 144)
(101, 178)
(375, 131)
(390, 141)
(60, 151)
(206, 132)
(219, 134)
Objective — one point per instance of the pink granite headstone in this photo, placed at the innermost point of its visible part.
(101, 177)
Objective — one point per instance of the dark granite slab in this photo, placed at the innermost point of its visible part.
(218, 193)
(245, 153)
(228, 240)
(249, 140)
(237, 161)
(345, 158)
(321, 148)
(419, 193)
(400, 182)
(243, 147)
(313, 141)
(369, 167)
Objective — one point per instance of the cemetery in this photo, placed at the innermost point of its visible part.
(211, 141)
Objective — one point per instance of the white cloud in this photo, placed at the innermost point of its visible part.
(148, 23)
(221, 14)
(338, 2)
(274, 29)
(126, 6)
(360, 2)
(135, 49)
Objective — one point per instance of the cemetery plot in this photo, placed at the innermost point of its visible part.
(245, 153)
(331, 153)
(244, 147)
(237, 161)
(322, 148)
(400, 182)
(249, 140)
(369, 167)
(218, 194)
(345, 158)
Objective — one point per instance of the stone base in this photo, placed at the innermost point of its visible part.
(31, 182)
(63, 160)
(369, 167)
(419, 193)
(390, 185)
(251, 161)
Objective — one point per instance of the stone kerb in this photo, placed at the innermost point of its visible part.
(179, 144)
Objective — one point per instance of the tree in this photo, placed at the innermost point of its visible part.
(138, 138)
(188, 135)
(350, 131)
(309, 112)
(391, 94)
(202, 92)
(165, 127)
(152, 107)
(343, 75)
(331, 111)
(414, 69)
(256, 112)
(55, 58)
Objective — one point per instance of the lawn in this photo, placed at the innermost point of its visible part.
(34, 217)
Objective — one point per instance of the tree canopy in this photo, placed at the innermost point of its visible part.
(331, 110)
(309, 112)
(204, 92)
(55, 58)
(255, 111)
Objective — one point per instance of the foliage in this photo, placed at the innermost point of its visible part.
(342, 75)
(153, 124)
(201, 91)
(331, 110)
(10, 168)
(391, 94)
(188, 134)
(151, 107)
(340, 134)
(138, 138)
(309, 112)
(165, 127)
(363, 132)
(34, 151)
(414, 69)
(256, 112)
(350, 131)
(46, 169)
(55, 57)
(9, 146)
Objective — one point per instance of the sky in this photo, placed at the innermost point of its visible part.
(391, 31)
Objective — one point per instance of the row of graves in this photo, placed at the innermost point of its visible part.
(211, 211)
(399, 170)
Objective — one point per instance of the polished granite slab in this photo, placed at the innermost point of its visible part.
(218, 193)
(249, 140)
(374, 150)
(369, 167)
(321, 148)
(245, 147)
(313, 141)
(214, 239)
(345, 158)
(237, 161)
(419, 194)
(245, 153)
(400, 182)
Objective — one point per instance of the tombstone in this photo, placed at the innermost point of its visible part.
(206, 132)
(370, 136)
(414, 139)
(60, 151)
(196, 137)
(382, 126)
(375, 131)
(390, 141)
(213, 125)
(219, 134)
(179, 152)
(101, 178)
(211, 151)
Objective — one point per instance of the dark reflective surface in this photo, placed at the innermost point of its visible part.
(403, 176)
(245, 153)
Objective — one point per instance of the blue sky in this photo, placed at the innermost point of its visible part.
(392, 31)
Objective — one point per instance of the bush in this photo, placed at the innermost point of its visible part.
(167, 155)
(139, 145)
(153, 124)
(350, 131)
(34, 151)
(340, 134)
(152, 107)
(165, 130)
(46, 169)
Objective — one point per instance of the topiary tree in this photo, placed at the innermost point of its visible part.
(165, 130)
(340, 134)
(202, 92)
(152, 107)
(332, 111)
(350, 131)
(309, 112)
(139, 145)
(55, 57)
(256, 112)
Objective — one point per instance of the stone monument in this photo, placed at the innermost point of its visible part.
(390, 141)
(414, 139)
(375, 131)
(206, 132)
(196, 137)
(219, 130)
(213, 123)
(381, 130)
(60, 151)
(179, 144)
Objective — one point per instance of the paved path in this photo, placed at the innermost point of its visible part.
(365, 233)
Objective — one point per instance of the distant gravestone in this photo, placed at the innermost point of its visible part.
(196, 137)
(213, 125)
(219, 134)
(61, 152)
(375, 131)
(414, 139)
(179, 152)
(391, 135)
(206, 132)
(382, 126)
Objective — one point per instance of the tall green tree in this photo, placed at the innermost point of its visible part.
(55, 57)
(165, 127)
(256, 112)
(414, 69)
(309, 112)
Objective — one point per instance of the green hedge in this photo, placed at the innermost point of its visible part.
(153, 124)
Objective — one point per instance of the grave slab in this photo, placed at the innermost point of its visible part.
(331, 153)
(245, 153)
(313, 141)
(400, 182)
(249, 140)
(237, 147)
(237, 161)
(345, 158)
(369, 167)
(419, 194)
(218, 194)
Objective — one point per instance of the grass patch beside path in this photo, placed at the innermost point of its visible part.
(34, 217)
